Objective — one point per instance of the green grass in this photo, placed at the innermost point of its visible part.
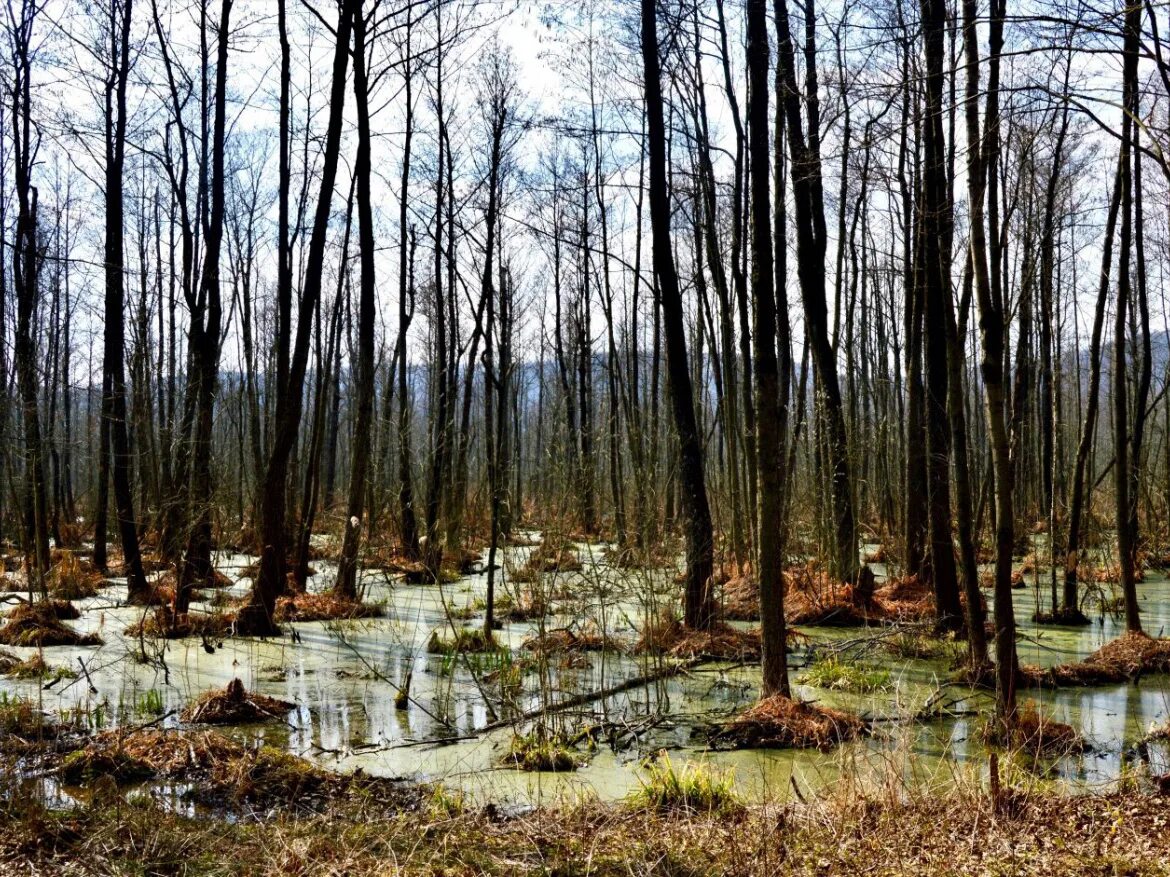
(838, 676)
(151, 703)
(541, 752)
(694, 787)
(915, 644)
(465, 639)
(36, 668)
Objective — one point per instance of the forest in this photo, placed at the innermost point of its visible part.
(683, 437)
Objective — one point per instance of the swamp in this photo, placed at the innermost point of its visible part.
(674, 437)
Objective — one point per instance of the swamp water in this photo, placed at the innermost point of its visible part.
(344, 676)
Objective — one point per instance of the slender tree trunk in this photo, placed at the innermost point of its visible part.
(699, 607)
(346, 586)
(257, 616)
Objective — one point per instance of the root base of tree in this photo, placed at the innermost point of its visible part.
(235, 706)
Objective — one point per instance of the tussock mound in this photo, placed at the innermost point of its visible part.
(8, 662)
(1127, 657)
(161, 623)
(1111, 574)
(1063, 616)
(666, 635)
(23, 727)
(220, 770)
(234, 706)
(566, 639)
(779, 722)
(322, 607)
(906, 599)
(1037, 735)
(40, 624)
(741, 599)
(812, 597)
(71, 578)
(551, 557)
(526, 606)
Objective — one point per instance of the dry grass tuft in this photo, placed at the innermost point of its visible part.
(1128, 657)
(23, 726)
(741, 598)
(71, 578)
(40, 624)
(1036, 734)
(221, 772)
(666, 635)
(540, 753)
(323, 607)
(162, 624)
(812, 597)
(850, 831)
(779, 722)
(549, 557)
(567, 639)
(235, 706)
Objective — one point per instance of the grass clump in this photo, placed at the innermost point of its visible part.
(21, 722)
(35, 668)
(667, 635)
(692, 788)
(221, 771)
(464, 639)
(1126, 658)
(444, 803)
(40, 624)
(1035, 734)
(323, 607)
(741, 599)
(913, 643)
(541, 752)
(586, 638)
(779, 722)
(161, 623)
(550, 556)
(235, 706)
(71, 579)
(836, 675)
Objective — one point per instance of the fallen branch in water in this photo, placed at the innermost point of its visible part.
(599, 694)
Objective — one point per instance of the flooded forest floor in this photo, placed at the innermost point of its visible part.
(588, 734)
